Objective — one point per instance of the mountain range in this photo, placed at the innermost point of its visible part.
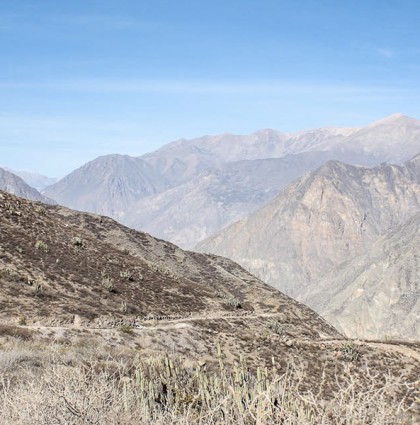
(35, 180)
(285, 206)
(190, 189)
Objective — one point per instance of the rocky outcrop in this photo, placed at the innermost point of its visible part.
(319, 221)
(377, 294)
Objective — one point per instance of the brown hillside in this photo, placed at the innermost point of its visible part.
(85, 279)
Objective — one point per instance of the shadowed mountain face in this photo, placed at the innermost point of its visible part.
(189, 189)
(319, 221)
(375, 295)
(12, 183)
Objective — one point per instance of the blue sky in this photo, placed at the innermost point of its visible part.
(83, 78)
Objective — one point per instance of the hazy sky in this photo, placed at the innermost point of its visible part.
(83, 78)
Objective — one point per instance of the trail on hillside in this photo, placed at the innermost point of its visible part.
(185, 322)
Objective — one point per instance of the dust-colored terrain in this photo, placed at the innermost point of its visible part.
(71, 279)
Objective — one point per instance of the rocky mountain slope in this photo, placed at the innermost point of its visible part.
(35, 180)
(14, 184)
(156, 192)
(89, 266)
(377, 294)
(191, 212)
(108, 185)
(75, 280)
(321, 220)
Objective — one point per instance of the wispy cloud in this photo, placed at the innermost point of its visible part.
(105, 22)
(75, 22)
(110, 86)
(386, 53)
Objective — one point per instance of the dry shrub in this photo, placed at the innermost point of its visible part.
(162, 391)
(16, 332)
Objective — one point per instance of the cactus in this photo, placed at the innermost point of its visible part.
(42, 246)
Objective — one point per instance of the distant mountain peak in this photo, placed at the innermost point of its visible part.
(394, 119)
(11, 183)
(33, 179)
(333, 168)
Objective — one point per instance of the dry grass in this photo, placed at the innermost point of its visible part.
(15, 332)
(57, 384)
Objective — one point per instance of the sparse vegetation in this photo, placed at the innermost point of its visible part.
(9, 273)
(161, 390)
(8, 206)
(276, 327)
(108, 283)
(350, 351)
(77, 241)
(37, 287)
(160, 268)
(42, 246)
(40, 209)
(124, 307)
(126, 275)
(229, 300)
(126, 329)
(22, 321)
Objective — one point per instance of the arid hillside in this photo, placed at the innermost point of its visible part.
(62, 263)
(73, 280)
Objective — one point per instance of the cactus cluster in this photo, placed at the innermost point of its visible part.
(41, 246)
(228, 299)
